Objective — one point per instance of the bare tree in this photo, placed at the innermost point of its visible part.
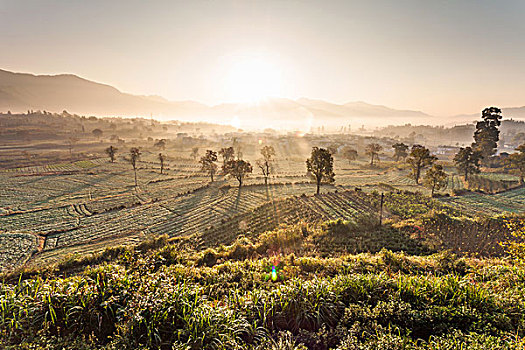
(373, 150)
(265, 164)
(134, 154)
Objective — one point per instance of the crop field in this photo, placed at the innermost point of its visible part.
(60, 209)
(490, 204)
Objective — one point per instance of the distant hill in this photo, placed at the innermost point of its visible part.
(20, 92)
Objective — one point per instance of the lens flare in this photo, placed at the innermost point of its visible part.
(274, 273)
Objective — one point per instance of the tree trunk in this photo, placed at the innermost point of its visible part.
(372, 160)
(211, 174)
(135, 170)
(266, 180)
(318, 185)
(418, 173)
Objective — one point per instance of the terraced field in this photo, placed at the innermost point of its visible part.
(66, 208)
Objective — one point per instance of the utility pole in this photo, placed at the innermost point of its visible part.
(381, 209)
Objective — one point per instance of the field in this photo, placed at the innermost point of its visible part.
(60, 209)
(181, 262)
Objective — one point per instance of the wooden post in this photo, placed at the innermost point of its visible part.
(381, 209)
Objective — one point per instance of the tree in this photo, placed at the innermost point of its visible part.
(194, 152)
(134, 156)
(517, 161)
(418, 159)
(486, 136)
(227, 154)
(320, 165)
(349, 153)
(208, 163)
(467, 161)
(435, 178)
(238, 168)
(265, 164)
(160, 144)
(162, 159)
(373, 150)
(97, 133)
(111, 151)
(400, 150)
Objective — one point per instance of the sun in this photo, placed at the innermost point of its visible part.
(253, 78)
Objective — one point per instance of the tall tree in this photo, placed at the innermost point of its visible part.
(238, 168)
(517, 161)
(467, 161)
(71, 142)
(265, 164)
(435, 178)
(373, 150)
(227, 154)
(320, 165)
(418, 159)
(486, 136)
(400, 150)
(208, 163)
(111, 152)
(349, 153)
(162, 159)
(134, 156)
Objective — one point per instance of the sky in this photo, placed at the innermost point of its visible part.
(440, 57)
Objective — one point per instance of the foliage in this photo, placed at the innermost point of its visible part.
(400, 150)
(516, 246)
(321, 166)
(238, 169)
(349, 153)
(435, 178)
(208, 163)
(517, 161)
(486, 136)
(227, 154)
(418, 159)
(467, 161)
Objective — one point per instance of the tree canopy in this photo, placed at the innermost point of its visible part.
(320, 165)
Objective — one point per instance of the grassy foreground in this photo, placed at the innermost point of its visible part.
(266, 292)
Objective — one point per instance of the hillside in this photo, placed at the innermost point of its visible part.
(20, 92)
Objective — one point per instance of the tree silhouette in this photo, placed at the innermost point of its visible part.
(265, 164)
(435, 178)
(320, 166)
(373, 150)
(208, 163)
(418, 159)
(134, 156)
(467, 161)
(111, 152)
(238, 169)
(517, 161)
(486, 136)
(400, 150)
(162, 159)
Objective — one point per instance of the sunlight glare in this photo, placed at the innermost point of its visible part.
(252, 79)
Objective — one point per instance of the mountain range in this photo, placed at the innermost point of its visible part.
(20, 92)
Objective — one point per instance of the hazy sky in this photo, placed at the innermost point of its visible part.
(442, 57)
